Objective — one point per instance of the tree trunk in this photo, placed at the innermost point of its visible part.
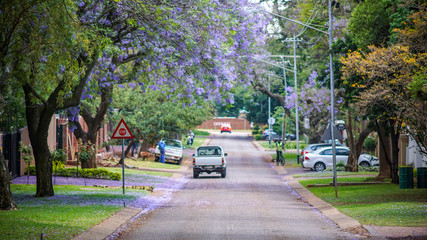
(384, 158)
(356, 148)
(351, 165)
(38, 121)
(144, 146)
(129, 146)
(395, 156)
(6, 199)
(93, 122)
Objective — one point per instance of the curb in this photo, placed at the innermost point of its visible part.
(340, 219)
(123, 217)
(110, 225)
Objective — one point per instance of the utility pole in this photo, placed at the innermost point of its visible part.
(296, 101)
(269, 112)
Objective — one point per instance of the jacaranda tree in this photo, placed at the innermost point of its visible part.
(157, 45)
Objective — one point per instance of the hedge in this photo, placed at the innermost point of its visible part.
(84, 173)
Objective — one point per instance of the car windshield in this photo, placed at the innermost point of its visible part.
(172, 143)
(209, 151)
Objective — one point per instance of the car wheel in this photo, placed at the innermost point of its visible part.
(224, 173)
(179, 161)
(195, 174)
(319, 167)
(364, 164)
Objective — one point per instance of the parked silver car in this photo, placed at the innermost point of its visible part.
(321, 159)
(313, 147)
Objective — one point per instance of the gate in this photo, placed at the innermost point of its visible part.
(11, 152)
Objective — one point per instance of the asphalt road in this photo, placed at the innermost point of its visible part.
(252, 202)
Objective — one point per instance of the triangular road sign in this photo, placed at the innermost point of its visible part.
(122, 131)
(327, 133)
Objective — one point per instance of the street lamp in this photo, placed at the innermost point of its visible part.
(331, 71)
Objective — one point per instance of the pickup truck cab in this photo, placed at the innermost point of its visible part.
(173, 151)
(209, 159)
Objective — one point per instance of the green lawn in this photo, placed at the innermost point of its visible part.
(290, 159)
(136, 173)
(330, 174)
(197, 142)
(379, 204)
(150, 164)
(289, 145)
(70, 212)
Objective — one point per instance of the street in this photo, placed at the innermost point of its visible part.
(252, 202)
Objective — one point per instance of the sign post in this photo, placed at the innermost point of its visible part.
(122, 132)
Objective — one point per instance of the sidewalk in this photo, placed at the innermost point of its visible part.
(343, 221)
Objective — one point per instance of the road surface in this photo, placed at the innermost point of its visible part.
(252, 202)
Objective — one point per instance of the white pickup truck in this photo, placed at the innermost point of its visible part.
(173, 151)
(209, 159)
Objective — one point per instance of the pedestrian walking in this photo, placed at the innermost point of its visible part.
(162, 151)
(191, 135)
(134, 148)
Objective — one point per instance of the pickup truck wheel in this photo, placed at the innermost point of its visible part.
(365, 164)
(179, 161)
(223, 173)
(195, 174)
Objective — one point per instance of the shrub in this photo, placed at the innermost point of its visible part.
(58, 155)
(256, 128)
(340, 164)
(258, 137)
(255, 132)
(370, 144)
(369, 169)
(84, 173)
(339, 169)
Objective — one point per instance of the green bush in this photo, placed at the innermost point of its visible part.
(58, 155)
(255, 132)
(339, 169)
(84, 173)
(258, 137)
(369, 169)
(370, 144)
(340, 164)
(293, 145)
(256, 127)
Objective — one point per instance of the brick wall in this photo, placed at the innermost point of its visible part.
(236, 123)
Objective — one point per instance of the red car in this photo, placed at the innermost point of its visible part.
(225, 128)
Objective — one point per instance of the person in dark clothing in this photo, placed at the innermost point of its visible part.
(162, 151)
(134, 148)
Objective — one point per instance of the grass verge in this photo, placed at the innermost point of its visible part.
(137, 174)
(150, 164)
(290, 159)
(378, 204)
(71, 211)
(197, 142)
(330, 174)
